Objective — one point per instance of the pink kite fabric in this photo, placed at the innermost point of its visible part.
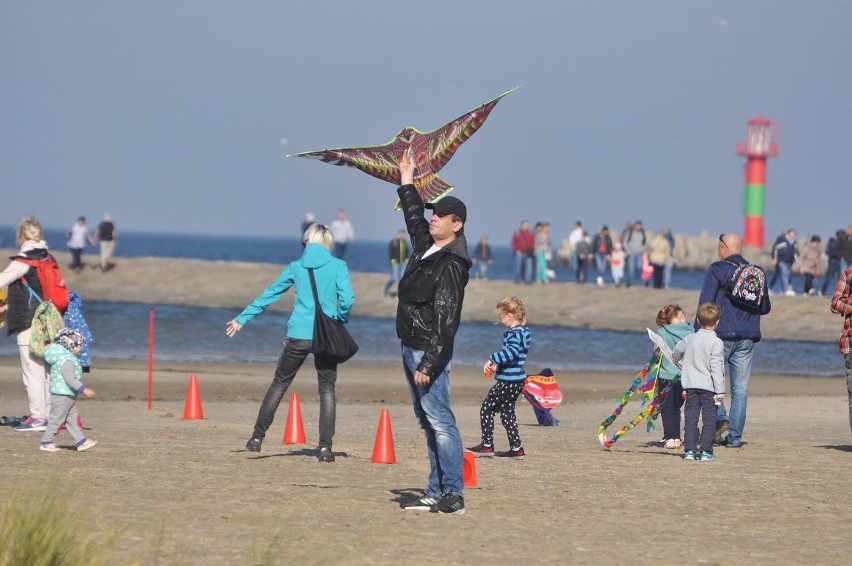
(431, 151)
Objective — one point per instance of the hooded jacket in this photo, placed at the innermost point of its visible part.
(671, 335)
(431, 291)
(334, 288)
(62, 382)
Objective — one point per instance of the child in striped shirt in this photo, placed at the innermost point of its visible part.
(507, 366)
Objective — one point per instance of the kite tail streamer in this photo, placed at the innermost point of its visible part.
(644, 385)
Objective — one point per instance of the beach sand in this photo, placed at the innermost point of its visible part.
(187, 492)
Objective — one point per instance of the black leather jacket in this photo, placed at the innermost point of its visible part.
(431, 291)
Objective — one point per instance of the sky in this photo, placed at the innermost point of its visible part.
(175, 116)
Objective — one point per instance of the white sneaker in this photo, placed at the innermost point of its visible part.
(49, 447)
(790, 293)
(600, 281)
(86, 445)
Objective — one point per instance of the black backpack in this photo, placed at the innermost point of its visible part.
(747, 286)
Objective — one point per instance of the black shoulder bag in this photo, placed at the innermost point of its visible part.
(331, 339)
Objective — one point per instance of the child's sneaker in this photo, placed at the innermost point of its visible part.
(514, 454)
(32, 425)
(706, 457)
(482, 451)
(86, 444)
(49, 447)
(673, 443)
(689, 455)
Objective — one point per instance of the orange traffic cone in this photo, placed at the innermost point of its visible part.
(471, 479)
(383, 452)
(294, 432)
(193, 401)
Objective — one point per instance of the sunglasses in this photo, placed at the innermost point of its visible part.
(722, 239)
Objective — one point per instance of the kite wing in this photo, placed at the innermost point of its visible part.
(430, 150)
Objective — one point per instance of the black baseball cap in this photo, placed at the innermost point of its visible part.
(449, 205)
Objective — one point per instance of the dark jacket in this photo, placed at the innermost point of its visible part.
(844, 246)
(22, 305)
(737, 322)
(398, 250)
(431, 291)
(785, 251)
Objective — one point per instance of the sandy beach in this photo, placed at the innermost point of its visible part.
(187, 492)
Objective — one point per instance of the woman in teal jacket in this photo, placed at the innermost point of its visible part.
(334, 288)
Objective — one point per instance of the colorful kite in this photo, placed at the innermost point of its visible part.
(431, 151)
(645, 385)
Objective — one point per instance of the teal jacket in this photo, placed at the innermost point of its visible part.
(57, 356)
(672, 334)
(334, 288)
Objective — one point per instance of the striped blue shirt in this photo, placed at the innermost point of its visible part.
(510, 359)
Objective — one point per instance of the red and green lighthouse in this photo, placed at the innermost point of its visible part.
(758, 147)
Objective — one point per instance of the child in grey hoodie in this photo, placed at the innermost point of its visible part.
(703, 379)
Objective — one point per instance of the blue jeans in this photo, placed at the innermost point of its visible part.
(396, 273)
(667, 274)
(785, 269)
(292, 357)
(600, 263)
(443, 440)
(633, 272)
(738, 354)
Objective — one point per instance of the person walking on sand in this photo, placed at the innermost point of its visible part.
(739, 329)
(507, 367)
(106, 235)
(809, 262)
(785, 253)
(398, 254)
(66, 374)
(703, 377)
(334, 288)
(841, 303)
(78, 237)
(523, 246)
(482, 257)
(833, 270)
(20, 309)
(343, 233)
(431, 293)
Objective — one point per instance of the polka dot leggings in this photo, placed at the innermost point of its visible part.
(502, 398)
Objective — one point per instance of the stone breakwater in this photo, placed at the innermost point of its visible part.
(692, 252)
(232, 285)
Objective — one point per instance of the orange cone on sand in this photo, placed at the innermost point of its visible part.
(193, 401)
(294, 432)
(471, 479)
(383, 452)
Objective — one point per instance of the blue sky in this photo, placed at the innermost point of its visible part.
(174, 116)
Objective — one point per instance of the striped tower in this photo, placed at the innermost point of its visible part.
(759, 146)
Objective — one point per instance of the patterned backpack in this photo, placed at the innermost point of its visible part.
(747, 286)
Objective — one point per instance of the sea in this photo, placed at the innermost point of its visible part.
(195, 334)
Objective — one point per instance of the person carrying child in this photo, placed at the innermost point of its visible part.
(507, 366)
(66, 373)
(673, 328)
(703, 379)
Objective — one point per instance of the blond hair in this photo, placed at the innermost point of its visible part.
(319, 234)
(514, 307)
(29, 230)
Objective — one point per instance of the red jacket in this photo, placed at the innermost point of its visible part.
(523, 242)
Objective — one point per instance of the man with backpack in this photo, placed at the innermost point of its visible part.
(742, 301)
